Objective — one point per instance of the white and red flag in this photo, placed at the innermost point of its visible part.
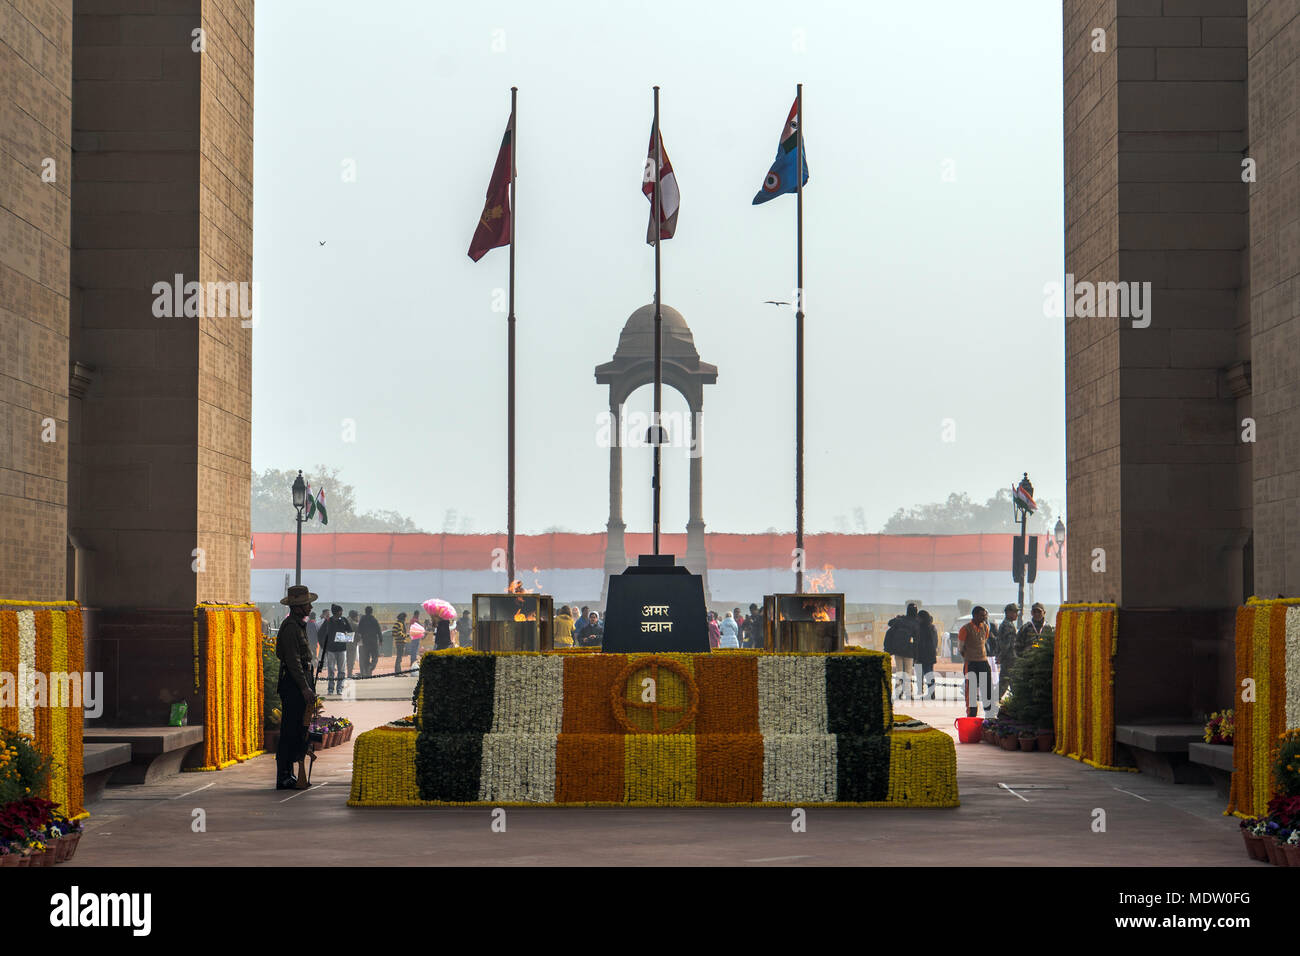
(669, 197)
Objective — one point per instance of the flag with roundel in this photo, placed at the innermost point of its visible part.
(669, 197)
(780, 178)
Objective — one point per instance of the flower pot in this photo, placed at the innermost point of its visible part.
(347, 732)
(72, 839)
(43, 858)
(1292, 853)
(1009, 742)
(986, 735)
(334, 737)
(60, 849)
(9, 859)
(24, 859)
(1254, 846)
(1028, 744)
(1046, 742)
(1271, 849)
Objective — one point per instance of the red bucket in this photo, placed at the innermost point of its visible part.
(969, 729)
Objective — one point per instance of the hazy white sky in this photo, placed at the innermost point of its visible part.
(924, 296)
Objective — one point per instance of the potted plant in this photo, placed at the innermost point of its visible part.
(273, 718)
(1252, 830)
(1219, 727)
(1291, 848)
(1008, 738)
(1046, 737)
(1280, 839)
(1028, 740)
(986, 731)
(1270, 842)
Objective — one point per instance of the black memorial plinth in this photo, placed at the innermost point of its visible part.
(656, 606)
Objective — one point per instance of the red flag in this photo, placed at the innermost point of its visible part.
(669, 196)
(494, 225)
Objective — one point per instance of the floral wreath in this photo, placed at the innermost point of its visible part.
(620, 703)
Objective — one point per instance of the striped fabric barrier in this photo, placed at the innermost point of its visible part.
(41, 646)
(867, 568)
(732, 727)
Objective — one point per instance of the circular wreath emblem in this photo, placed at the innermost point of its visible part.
(668, 676)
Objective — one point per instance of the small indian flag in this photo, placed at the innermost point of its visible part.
(1023, 494)
(320, 508)
(311, 505)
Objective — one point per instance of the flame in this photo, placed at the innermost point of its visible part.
(519, 614)
(517, 587)
(821, 613)
(821, 583)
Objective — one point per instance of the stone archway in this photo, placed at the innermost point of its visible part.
(632, 367)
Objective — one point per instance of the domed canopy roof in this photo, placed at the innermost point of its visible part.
(638, 337)
(633, 363)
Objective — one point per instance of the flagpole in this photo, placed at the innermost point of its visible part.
(798, 343)
(654, 421)
(510, 349)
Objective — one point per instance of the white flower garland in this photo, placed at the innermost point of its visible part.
(799, 768)
(528, 697)
(1292, 693)
(791, 695)
(26, 671)
(518, 768)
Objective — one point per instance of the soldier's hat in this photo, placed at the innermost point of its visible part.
(298, 594)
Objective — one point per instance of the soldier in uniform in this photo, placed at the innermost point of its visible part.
(297, 693)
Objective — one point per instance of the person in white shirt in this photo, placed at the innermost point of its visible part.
(730, 632)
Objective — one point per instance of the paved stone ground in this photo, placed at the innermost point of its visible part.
(1044, 818)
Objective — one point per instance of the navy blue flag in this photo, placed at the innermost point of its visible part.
(780, 178)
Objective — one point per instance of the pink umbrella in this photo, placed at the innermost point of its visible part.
(439, 608)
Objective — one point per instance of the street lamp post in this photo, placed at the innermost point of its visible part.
(1058, 533)
(299, 502)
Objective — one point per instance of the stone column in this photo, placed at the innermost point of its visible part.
(696, 557)
(160, 487)
(35, 197)
(615, 548)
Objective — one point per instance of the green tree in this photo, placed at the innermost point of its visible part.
(960, 515)
(272, 504)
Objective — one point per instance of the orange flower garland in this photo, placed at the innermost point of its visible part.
(57, 716)
(9, 662)
(1083, 685)
(231, 663)
(1261, 654)
(765, 729)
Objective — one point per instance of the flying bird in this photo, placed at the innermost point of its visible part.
(324, 241)
(774, 302)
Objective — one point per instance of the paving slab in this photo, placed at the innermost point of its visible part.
(1017, 809)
